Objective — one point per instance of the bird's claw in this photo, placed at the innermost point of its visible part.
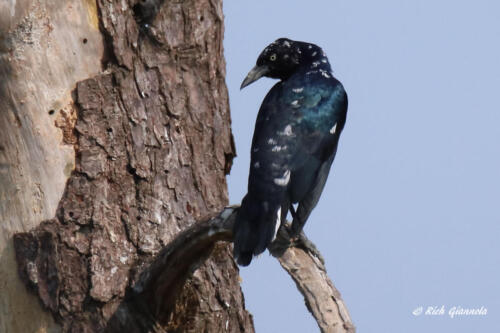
(285, 239)
(281, 243)
(304, 243)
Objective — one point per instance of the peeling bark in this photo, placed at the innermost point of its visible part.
(42, 56)
(153, 144)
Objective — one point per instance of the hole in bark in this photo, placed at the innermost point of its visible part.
(201, 18)
(138, 218)
(130, 169)
(178, 129)
(109, 129)
(85, 41)
(51, 112)
(84, 230)
(71, 214)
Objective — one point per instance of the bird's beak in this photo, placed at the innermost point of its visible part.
(255, 73)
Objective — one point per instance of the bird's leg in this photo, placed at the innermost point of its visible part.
(292, 211)
(296, 227)
(284, 240)
(297, 224)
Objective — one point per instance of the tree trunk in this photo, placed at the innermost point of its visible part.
(117, 137)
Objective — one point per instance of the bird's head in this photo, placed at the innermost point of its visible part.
(282, 58)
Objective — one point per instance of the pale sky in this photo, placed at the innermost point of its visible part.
(410, 215)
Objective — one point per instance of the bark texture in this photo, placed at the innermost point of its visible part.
(46, 46)
(174, 264)
(153, 144)
(322, 299)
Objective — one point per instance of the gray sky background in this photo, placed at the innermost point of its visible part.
(410, 215)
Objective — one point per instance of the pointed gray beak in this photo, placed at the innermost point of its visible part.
(255, 73)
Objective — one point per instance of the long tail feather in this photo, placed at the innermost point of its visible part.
(254, 228)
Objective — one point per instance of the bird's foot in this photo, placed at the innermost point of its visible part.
(301, 241)
(285, 239)
(282, 241)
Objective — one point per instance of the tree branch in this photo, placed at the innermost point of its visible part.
(162, 281)
(322, 299)
(148, 304)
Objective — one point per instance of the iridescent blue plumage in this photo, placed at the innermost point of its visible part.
(294, 143)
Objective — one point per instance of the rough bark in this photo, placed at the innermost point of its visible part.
(189, 250)
(153, 144)
(45, 48)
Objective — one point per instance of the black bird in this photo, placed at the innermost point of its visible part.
(294, 143)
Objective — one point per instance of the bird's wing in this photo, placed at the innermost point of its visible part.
(296, 132)
(298, 124)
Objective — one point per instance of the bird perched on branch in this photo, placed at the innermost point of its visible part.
(294, 143)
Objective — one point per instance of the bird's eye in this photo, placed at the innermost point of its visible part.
(273, 57)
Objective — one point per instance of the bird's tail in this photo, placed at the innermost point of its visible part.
(255, 228)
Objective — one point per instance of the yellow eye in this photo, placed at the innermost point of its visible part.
(272, 57)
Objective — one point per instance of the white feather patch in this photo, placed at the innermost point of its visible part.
(333, 129)
(288, 130)
(278, 148)
(324, 73)
(278, 223)
(283, 181)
